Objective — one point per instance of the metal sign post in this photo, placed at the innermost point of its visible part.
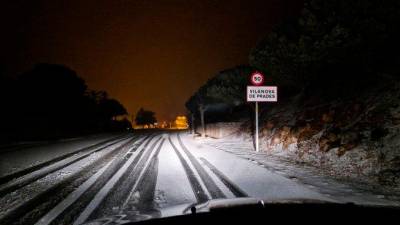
(256, 131)
(258, 93)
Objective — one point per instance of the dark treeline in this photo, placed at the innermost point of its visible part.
(145, 117)
(334, 49)
(52, 101)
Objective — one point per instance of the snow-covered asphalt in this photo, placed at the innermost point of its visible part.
(134, 177)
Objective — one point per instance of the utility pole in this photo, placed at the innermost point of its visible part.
(203, 126)
(193, 128)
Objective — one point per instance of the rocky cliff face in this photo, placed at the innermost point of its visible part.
(357, 138)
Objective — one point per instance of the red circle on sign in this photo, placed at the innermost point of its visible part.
(257, 78)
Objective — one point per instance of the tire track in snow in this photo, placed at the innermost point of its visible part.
(141, 203)
(73, 211)
(47, 169)
(20, 211)
(213, 189)
(102, 194)
(140, 178)
(122, 188)
(197, 189)
(12, 176)
(75, 195)
(236, 190)
(56, 211)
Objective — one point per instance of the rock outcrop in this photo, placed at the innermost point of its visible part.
(355, 138)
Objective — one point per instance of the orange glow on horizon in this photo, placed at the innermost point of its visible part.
(179, 123)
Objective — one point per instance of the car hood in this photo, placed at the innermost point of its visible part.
(189, 208)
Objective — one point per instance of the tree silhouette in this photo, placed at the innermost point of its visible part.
(332, 46)
(112, 108)
(52, 101)
(221, 93)
(145, 117)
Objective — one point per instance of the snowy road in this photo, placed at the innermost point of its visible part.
(135, 177)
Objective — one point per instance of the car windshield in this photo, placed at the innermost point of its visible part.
(135, 110)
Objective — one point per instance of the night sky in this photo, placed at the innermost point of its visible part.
(151, 54)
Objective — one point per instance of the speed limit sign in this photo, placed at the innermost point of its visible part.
(257, 93)
(257, 78)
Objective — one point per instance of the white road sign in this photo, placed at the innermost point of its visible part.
(262, 93)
